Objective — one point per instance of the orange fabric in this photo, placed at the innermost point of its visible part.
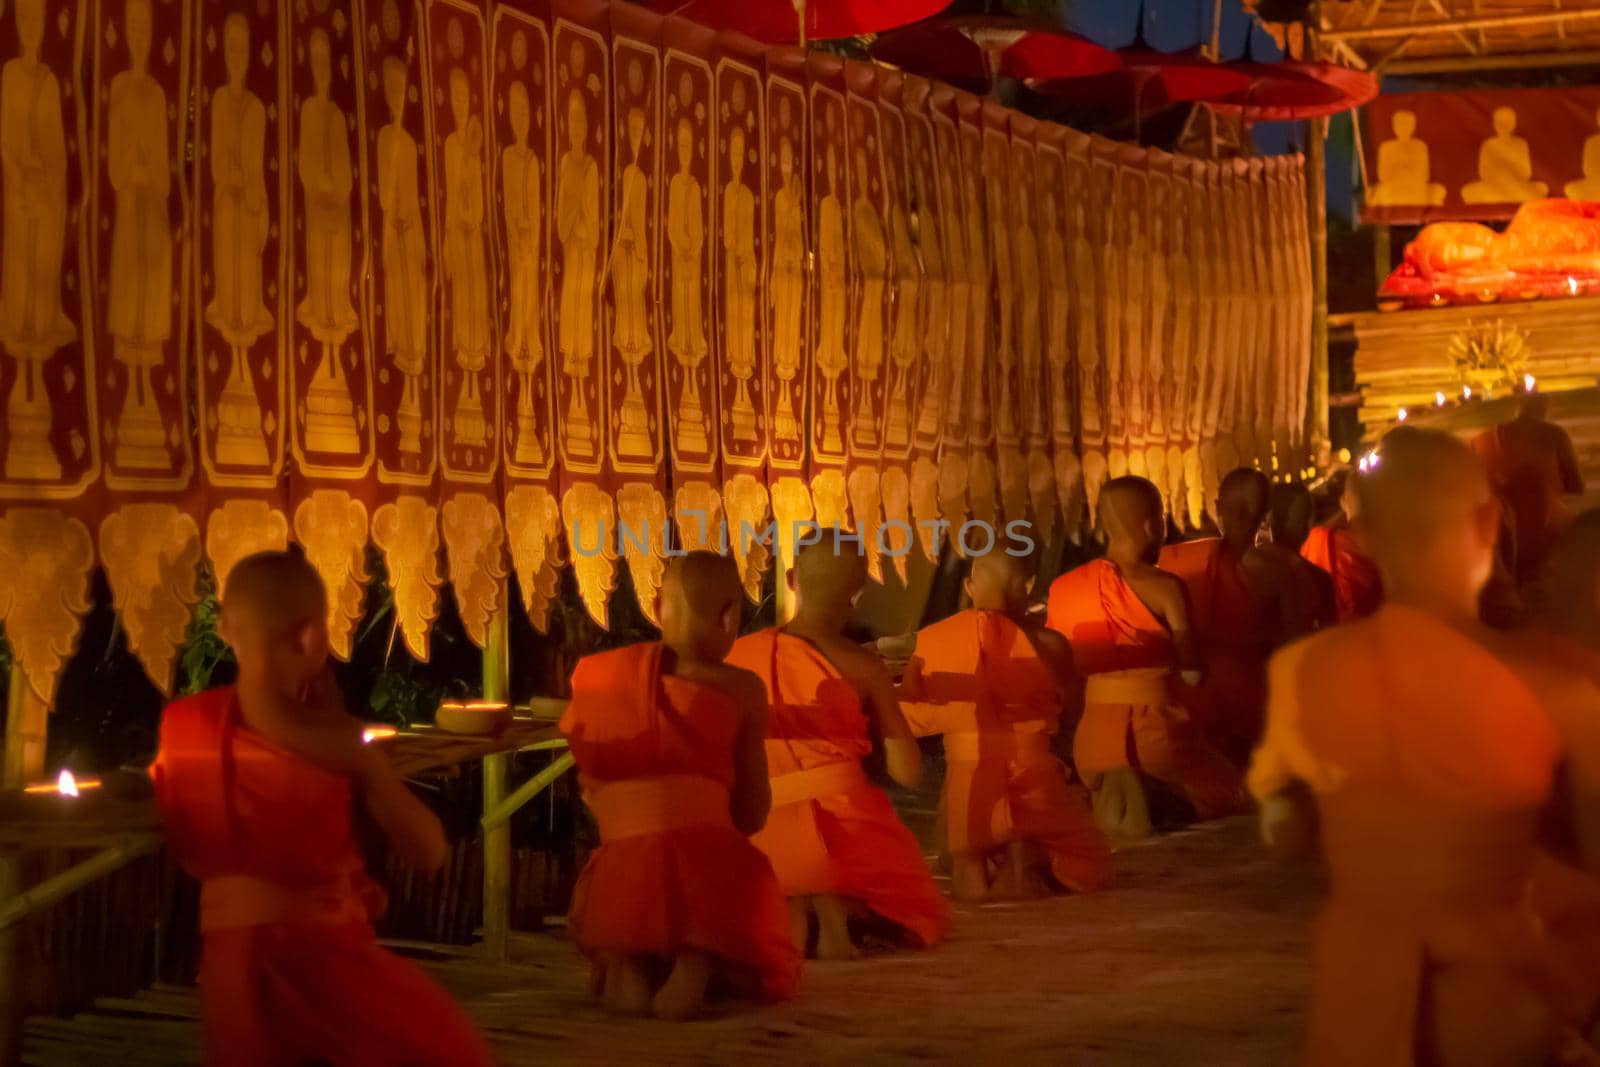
(284, 980)
(656, 805)
(1525, 464)
(1430, 761)
(1357, 585)
(700, 885)
(849, 843)
(1113, 633)
(995, 701)
(1235, 630)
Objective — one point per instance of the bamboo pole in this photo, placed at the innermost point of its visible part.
(496, 817)
(53, 890)
(497, 840)
(1317, 209)
(1434, 28)
(27, 726)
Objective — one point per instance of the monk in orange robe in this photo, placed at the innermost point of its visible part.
(1532, 466)
(1357, 586)
(1431, 762)
(1241, 603)
(1128, 625)
(669, 744)
(1289, 522)
(994, 687)
(834, 839)
(257, 783)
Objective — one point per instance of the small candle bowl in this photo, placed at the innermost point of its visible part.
(475, 718)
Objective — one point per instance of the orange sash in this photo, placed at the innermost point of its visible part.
(826, 780)
(640, 806)
(232, 901)
(1145, 686)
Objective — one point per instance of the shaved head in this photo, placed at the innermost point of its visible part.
(1132, 514)
(828, 575)
(1242, 502)
(275, 593)
(1293, 515)
(700, 604)
(1426, 506)
(999, 581)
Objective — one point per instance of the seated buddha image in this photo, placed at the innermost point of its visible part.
(1505, 167)
(1588, 187)
(1403, 169)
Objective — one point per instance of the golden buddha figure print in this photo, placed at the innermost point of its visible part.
(630, 288)
(1404, 176)
(33, 185)
(872, 269)
(522, 199)
(686, 238)
(466, 264)
(326, 180)
(1505, 166)
(404, 247)
(905, 338)
(138, 306)
(740, 275)
(786, 286)
(832, 295)
(1588, 187)
(578, 225)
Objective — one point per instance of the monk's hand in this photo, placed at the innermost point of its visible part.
(911, 679)
(1286, 824)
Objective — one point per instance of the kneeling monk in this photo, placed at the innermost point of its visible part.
(1357, 585)
(256, 783)
(1128, 625)
(1431, 762)
(994, 687)
(833, 837)
(668, 740)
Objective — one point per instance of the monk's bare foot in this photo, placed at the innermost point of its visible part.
(800, 922)
(684, 992)
(833, 929)
(969, 876)
(627, 989)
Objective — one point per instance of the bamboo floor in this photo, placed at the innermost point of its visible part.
(1198, 956)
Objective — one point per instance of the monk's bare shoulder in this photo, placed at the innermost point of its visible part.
(1162, 591)
(1046, 641)
(863, 668)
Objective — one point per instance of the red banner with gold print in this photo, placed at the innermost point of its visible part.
(903, 349)
(982, 337)
(141, 206)
(1058, 370)
(1031, 281)
(471, 340)
(1089, 174)
(964, 267)
(51, 434)
(930, 226)
(689, 232)
(1132, 311)
(241, 302)
(1158, 356)
(788, 314)
(832, 385)
(521, 162)
(740, 296)
(869, 273)
(397, 201)
(1004, 412)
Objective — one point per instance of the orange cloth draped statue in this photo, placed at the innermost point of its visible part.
(980, 680)
(668, 744)
(833, 837)
(1127, 623)
(256, 785)
(1431, 762)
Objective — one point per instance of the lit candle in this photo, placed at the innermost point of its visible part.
(66, 785)
(377, 732)
(1401, 415)
(1572, 285)
(1466, 392)
(1529, 383)
(1438, 400)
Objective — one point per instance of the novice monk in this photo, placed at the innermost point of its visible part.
(256, 784)
(1289, 523)
(1241, 602)
(1357, 586)
(1128, 625)
(833, 837)
(1431, 762)
(994, 687)
(668, 740)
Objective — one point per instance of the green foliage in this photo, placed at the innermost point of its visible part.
(203, 649)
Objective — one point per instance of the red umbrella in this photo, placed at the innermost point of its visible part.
(799, 21)
(1153, 81)
(974, 51)
(1291, 90)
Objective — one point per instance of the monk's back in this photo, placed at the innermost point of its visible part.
(985, 658)
(1107, 625)
(815, 715)
(1225, 607)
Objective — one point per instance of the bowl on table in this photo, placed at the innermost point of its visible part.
(477, 718)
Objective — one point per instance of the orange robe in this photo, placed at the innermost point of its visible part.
(1531, 465)
(996, 703)
(1232, 623)
(290, 970)
(1430, 763)
(831, 830)
(1129, 717)
(655, 758)
(1357, 585)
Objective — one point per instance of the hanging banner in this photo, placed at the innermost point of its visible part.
(1478, 154)
(468, 326)
(140, 202)
(1031, 279)
(833, 320)
(982, 486)
(1112, 195)
(870, 275)
(1129, 384)
(396, 126)
(905, 351)
(790, 293)
(520, 87)
(1273, 214)
(930, 376)
(1180, 382)
(1005, 417)
(1300, 263)
(963, 270)
(51, 436)
(1158, 353)
(1089, 176)
(1056, 428)
(1218, 357)
(744, 380)
(1233, 425)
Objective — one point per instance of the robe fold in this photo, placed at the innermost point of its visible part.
(1357, 586)
(1130, 719)
(1235, 630)
(291, 972)
(1430, 763)
(655, 758)
(996, 703)
(831, 830)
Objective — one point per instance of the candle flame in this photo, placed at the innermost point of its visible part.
(1466, 392)
(378, 732)
(1529, 383)
(1402, 415)
(66, 783)
(1572, 285)
(1438, 400)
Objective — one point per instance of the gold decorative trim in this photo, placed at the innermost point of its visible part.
(830, 499)
(1042, 495)
(332, 527)
(151, 553)
(698, 518)
(474, 542)
(895, 491)
(533, 532)
(46, 557)
(407, 531)
(953, 488)
(791, 507)
(241, 528)
(924, 492)
(590, 520)
(982, 488)
(1096, 471)
(746, 506)
(642, 509)
(864, 490)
